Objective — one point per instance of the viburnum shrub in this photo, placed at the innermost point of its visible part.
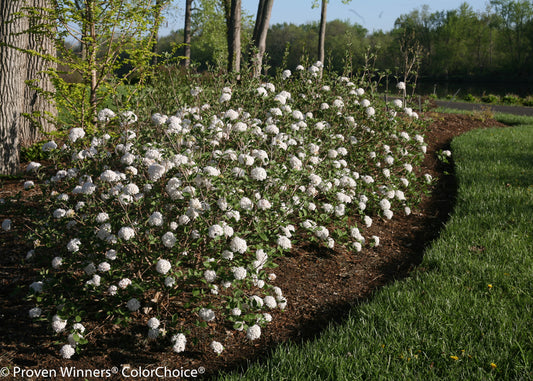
(174, 221)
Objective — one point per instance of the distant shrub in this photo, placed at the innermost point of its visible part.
(511, 99)
(490, 98)
(528, 101)
(470, 98)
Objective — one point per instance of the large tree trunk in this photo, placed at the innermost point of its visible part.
(322, 33)
(187, 34)
(12, 75)
(38, 105)
(262, 22)
(234, 36)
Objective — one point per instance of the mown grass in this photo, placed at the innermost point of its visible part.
(513, 120)
(490, 99)
(466, 313)
(509, 119)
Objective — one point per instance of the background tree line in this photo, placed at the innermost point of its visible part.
(462, 43)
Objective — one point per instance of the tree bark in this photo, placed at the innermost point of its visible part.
(234, 37)
(80, 4)
(257, 26)
(187, 34)
(90, 74)
(322, 33)
(12, 75)
(262, 22)
(155, 30)
(38, 105)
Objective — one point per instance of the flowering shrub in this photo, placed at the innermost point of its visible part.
(176, 221)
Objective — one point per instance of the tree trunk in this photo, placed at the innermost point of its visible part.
(91, 56)
(38, 105)
(234, 37)
(187, 34)
(322, 33)
(80, 4)
(257, 26)
(262, 22)
(12, 75)
(155, 29)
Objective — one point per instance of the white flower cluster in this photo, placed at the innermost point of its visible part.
(179, 342)
(229, 185)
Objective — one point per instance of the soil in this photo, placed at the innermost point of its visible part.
(321, 285)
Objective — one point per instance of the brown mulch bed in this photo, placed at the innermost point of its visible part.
(320, 286)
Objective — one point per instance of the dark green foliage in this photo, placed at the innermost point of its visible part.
(470, 98)
(511, 99)
(528, 101)
(33, 153)
(490, 98)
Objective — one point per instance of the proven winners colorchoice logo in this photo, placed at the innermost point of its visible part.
(126, 372)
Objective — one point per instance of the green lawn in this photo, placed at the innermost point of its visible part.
(509, 119)
(467, 313)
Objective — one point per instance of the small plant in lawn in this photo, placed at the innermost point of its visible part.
(174, 222)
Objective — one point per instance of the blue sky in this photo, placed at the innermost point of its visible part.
(372, 14)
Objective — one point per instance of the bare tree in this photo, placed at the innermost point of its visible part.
(12, 75)
(262, 22)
